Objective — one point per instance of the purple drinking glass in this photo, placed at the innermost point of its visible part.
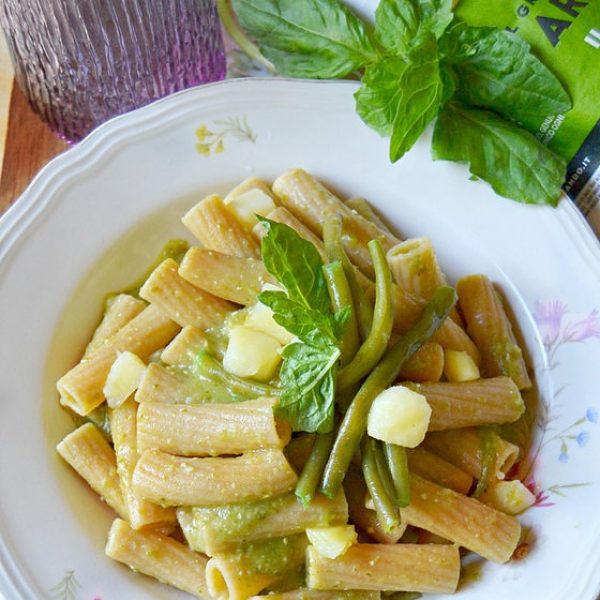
(81, 62)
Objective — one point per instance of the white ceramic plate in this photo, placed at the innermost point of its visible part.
(94, 218)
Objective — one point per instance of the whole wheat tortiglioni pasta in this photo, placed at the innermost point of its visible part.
(281, 416)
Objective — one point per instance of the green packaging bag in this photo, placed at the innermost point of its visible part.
(565, 34)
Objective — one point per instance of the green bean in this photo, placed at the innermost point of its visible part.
(373, 348)
(488, 460)
(341, 297)
(212, 368)
(313, 469)
(383, 375)
(398, 465)
(386, 511)
(384, 471)
(332, 236)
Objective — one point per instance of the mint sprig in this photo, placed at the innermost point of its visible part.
(310, 364)
(417, 60)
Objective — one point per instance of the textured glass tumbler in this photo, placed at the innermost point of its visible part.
(80, 62)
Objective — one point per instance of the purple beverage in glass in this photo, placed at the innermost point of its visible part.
(81, 62)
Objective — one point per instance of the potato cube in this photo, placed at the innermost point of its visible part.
(249, 204)
(332, 542)
(510, 497)
(123, 378)
(459, 366)
(251, 353)
(399, 416)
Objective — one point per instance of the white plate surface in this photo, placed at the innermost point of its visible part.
(97, 215)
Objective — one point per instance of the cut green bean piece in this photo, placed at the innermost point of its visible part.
(332, 237)
(388, 514)
(398, 465)
(341, 297)
(373, 348)
(383, 375)
(487, 440)
(309, 480)
(212, 369)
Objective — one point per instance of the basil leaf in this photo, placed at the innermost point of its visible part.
(509, 158)
(312, 38)
(399, 22)
(420, 99)
(501, 73)
(378, 97)
(308, 378)
(296, 264)
(309, 325)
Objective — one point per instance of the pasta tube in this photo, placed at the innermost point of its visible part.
(387, 567)
(462, 520)
(219, 529)
(480, 402)
(306, 594)
(81, 388)
(121, 310)
(181, 301)
(462, 447)
(415, 267)
(252, 567)
(430, 466)
(364, 209)
(211, 429)
(427, 364)
(313, 203)
(283, 215)
(159, 556)
(184, 348)
(218, 229)
(489, 326)
(235, 278)
(123, 428)
(88, 452)
(176, 481)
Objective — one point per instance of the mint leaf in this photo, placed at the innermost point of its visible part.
(296, 264)
(308, 378)
(312, 38)
(496, 70)
(509, 158)
(421, 97)
(399, 22)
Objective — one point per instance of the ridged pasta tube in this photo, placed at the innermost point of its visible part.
(235, 278)
(211, 429)
(217, 228)
(81, 388)
(462, 447)
(480, 402)
(490, 327)
(181, 301)
(387, 567)
(170, 480)
(159, 556)
(462, 520)
(222, 528)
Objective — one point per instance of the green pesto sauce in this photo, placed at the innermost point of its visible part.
(202, 390)
(271, 557)
(99, 418)
(174, 249)
(237, 520)
(507, 355)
